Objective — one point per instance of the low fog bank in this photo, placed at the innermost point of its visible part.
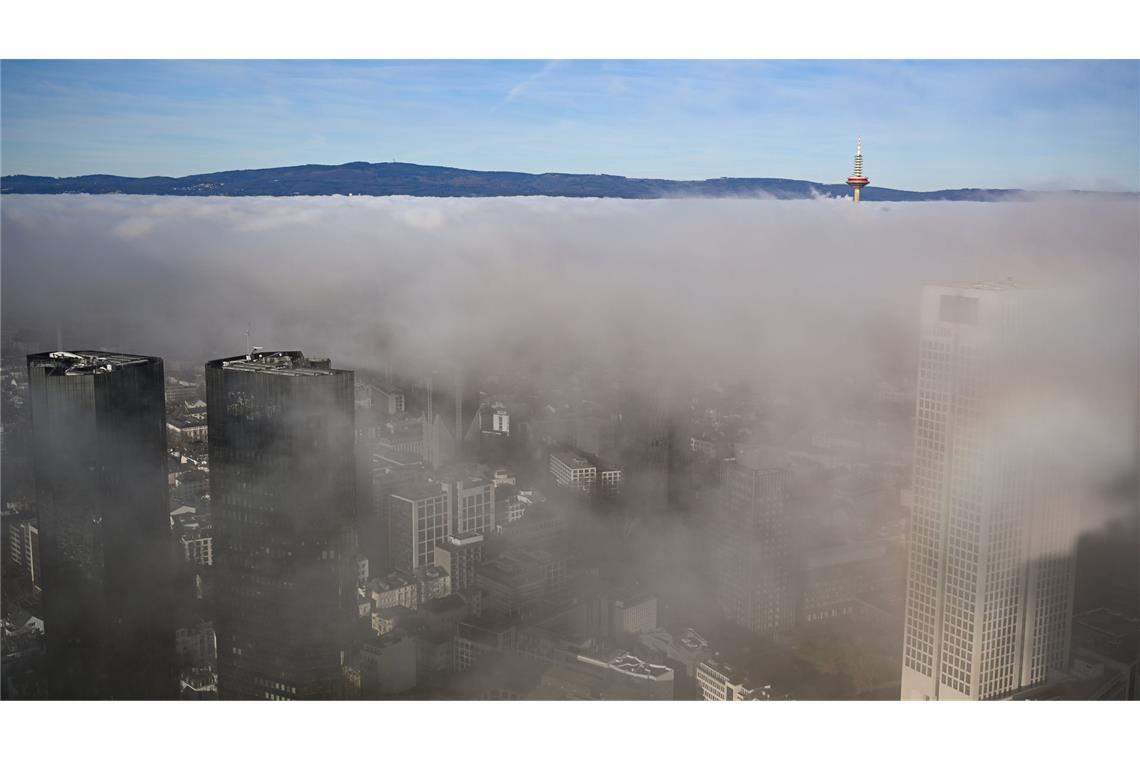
(805, 298)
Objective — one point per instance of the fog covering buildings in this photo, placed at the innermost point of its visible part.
(750, 367)
(98, 436)
(281, 484)
(990, 584)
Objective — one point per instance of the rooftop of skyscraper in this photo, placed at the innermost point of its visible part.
(290, 363)
(85, 362)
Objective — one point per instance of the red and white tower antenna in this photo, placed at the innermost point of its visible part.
(857, 181)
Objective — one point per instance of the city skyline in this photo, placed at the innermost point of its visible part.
(429, 365)
(929, 124)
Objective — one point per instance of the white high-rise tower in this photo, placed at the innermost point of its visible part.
(990, 580)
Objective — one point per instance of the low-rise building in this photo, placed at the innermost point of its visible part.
(396, 589)
(387, 398)
(633, 614)
(585, 474)
(573, 469)
(433, 582)
(717, 682)
(391, 619)
(387, 665)
(519, 578)
(186, 428)
(198, 546)
(508, 506)
(460, 556)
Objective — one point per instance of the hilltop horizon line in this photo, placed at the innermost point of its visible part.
(424, 180)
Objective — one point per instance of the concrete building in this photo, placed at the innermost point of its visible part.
(1105, 662)
(24, 549)
(460, 556)
(178, 391)
(387, 665)
(573, 469)
(388, 399)
(833, 578)
(632, 614)
(518, 579)
(584, 473)
(543, 527)
(717, 682)
(990, 579)
(433, 582)
(636, 678)
(197, 542)
(508, 506)
(419, 517)
(186, 428)
(396, 589)
(752, 557)
(472, 501)
(476, 639)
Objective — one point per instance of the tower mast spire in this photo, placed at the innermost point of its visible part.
(857, 181)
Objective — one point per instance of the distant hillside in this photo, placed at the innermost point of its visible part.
(362, 178)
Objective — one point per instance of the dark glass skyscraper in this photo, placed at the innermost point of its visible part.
(752, 558)
(99, 447)
(283, 497)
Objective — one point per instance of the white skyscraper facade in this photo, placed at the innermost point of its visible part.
(990, 577)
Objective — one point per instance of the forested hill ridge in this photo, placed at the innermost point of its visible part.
(360, 178)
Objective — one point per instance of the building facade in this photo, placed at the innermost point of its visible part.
(472, 505)
(752, 561)
(418, 518)
(283, 495)
(99, 449)
(460, 556)
(990, 578)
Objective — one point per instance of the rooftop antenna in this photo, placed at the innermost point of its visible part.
(248, 330)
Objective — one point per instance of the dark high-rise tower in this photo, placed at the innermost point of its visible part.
(99, 447)
(752, 560)
(282, 489)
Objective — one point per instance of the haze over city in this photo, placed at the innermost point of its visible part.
(855, 420)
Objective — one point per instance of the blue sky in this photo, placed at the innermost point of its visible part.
(925, 124)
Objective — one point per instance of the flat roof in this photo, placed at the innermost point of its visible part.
(573, 458)
(87, 362)
(417, 491)
(463, 539)
(1111, 623)
(386, 388)
(444, 603)
(288, 363)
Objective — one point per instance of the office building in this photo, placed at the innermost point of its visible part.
(518, 579)
(283, 495)
(388, 399)
(99, 449)
(460, 556)
(751, 552)
(472, 501)
(717, 682)
(990, 578)
(418, 519)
